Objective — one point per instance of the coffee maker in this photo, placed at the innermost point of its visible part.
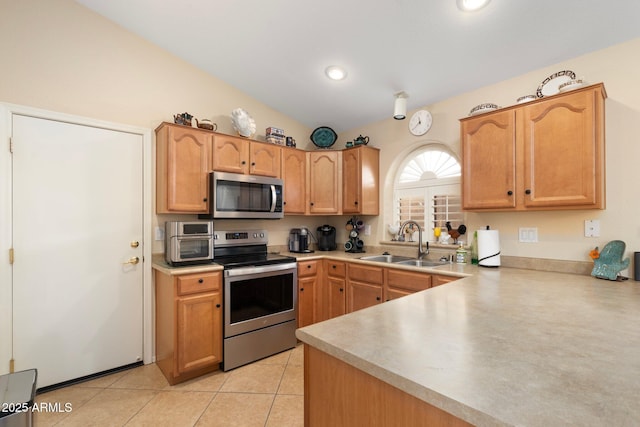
(299, 240)
(326, 238)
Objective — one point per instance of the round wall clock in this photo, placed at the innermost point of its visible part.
(420, 122)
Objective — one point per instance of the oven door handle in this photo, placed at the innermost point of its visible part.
(273, 198)
(253, 269)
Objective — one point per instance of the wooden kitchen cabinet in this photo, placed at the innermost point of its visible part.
(402, 282)
(183, 159)
(364, 286)
(438, 279)
(188, 324)
(308, 303)
(360, 180)
(544, 155)
(294, 175)
(324, 180)
(336, 285)
(240, 155)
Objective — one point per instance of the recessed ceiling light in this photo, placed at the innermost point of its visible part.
(472, 5)
(335, 72)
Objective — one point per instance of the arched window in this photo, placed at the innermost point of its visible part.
(427, 190)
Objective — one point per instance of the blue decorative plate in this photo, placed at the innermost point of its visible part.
(323, 137)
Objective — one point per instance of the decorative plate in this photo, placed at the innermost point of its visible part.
(482, 108)
(526, 98)
(323, 137)
(243, 123)
(570, 85)
(550, 85)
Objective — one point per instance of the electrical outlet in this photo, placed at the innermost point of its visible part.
(591, 228)
(528, 234)
(367, 230)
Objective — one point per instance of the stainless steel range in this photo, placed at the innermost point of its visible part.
(260, 297)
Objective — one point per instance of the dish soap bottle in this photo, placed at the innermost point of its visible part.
(474, 248)
(461, 255)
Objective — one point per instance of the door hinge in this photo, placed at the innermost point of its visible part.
(11, 145)
(12, 366)
(11, 256)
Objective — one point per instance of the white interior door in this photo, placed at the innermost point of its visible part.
(77, 209)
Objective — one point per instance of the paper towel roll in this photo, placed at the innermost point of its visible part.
(488, 248)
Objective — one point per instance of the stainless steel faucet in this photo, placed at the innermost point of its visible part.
(421, 253)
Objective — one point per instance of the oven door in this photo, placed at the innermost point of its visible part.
(191, 248)
(258, 297)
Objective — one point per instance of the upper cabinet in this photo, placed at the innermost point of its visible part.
(183, 156)
(324, 181)
(544, 155)
(244, 156)
(360, 176)
(294, 171)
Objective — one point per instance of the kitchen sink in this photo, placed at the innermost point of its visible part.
(422, 262)
(386, 258)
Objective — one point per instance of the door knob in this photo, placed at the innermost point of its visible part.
(132, 260)
(135, 244)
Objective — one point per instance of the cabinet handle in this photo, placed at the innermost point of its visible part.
(334, 266)
(311, 203)
(284, 203)
(527, 191)
(301, 289)
(509, 193)
(253, 163)
(217, 305)
(377, 298)
(341, 290)
(243, 162)
(308, 266)
(200, 281)
(356, 202)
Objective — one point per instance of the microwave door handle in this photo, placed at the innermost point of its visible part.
(273, 198)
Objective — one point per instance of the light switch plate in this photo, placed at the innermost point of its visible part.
(591, 228)
(159, 233)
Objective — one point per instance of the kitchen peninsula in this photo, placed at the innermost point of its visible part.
(501, 347)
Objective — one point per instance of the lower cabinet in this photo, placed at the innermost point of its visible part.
(364, 286)
(336, 285)
(188, 324)
(308, 276)
(330, 288)
(402, 282)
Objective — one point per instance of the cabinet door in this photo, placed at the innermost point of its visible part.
(337, 297)
(438, 280)
(360, 172)
(324, 182)
(183, 163)
(199, 330)
(230, 154)
(306, 301)
(294, 170)
(488, 161)
(362, 295)
(402, 282)
(264, 159)
(560, 151)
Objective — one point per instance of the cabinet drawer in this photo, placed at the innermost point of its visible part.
(366, 274)
(307, 268)
(336, 269)
(408, 280)
(441, 280)
(196, 283)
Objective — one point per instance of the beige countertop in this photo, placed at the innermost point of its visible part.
(503, 347)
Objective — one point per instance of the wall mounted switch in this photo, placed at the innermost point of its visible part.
(528, 234)
(159, 233)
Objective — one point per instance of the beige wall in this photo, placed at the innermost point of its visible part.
(59, 56)
(560, 234)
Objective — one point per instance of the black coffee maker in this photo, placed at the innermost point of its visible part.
(326, 238)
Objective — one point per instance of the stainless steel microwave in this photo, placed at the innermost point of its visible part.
(244, 196)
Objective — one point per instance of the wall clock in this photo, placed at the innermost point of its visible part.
(420, 122)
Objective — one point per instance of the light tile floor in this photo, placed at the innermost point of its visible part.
(267, 393)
